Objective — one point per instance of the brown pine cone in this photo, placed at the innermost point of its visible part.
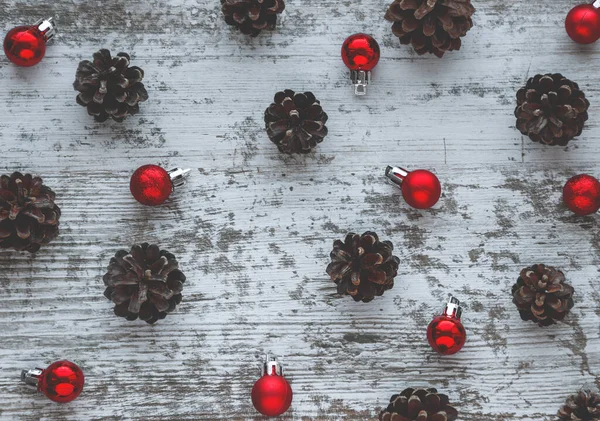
(431, 26)
(541, 295)
(252, 16)
(108, 87)
(551, 109)
(362, 266)
(584, 406)
(145, 282)
(419, 405)
(295, 122)
(28, 215)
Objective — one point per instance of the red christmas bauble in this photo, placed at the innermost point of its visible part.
(360, 52)
(62, 381)
(151, 185)
(271, 395)
(421, 189)
(25, 46)
(583, 24)
(581, 194)
(446, 334)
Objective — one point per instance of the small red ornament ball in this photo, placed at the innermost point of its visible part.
(581, 194)
(271, 395)
(360, 52)
(25, 46)
(446, 335)
(583, 24)
(62, 381)
(421, 189)
(151, 185)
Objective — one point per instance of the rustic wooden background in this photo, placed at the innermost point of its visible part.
(253, 228)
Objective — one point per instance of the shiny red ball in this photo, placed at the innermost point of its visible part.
(446, 335)
(360, 52)
(581, 194)
(62, 381)
(421, 189)
(271, 395)
(583, 24)
(25, 46)
(151, 185)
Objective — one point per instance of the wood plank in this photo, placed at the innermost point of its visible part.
(253, 228)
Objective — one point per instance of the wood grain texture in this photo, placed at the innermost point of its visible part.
(253, 228)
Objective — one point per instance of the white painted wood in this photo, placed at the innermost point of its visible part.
(253, 228)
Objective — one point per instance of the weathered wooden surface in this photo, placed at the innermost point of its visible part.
(253, 228)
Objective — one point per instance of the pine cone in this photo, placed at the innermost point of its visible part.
(108, 87)
(362, 266)
(252, 16)
(419, 405)
(541, 295)
(584, 406)
(431, 26)
(144, 283)
(28, 215)
(295, 122)
(551, 109)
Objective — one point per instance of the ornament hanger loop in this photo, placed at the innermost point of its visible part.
(453, 308)
(47, 28)
(271, 367)
(396, 174)
(178, 176)
(360, 80)
(32, 377)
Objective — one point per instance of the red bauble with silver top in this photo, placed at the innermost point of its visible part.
(152, 185)
(272, 394)
(421, 189)
(360, 53)
(25, 46)
(583, 23)
(446, 333)
(62, 381)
